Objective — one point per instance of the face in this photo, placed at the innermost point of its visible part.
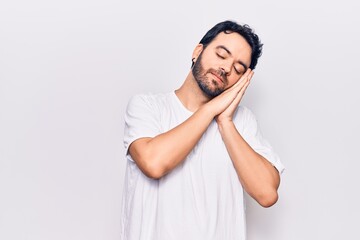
(221, 64)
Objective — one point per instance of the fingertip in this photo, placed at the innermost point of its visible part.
(252, 74)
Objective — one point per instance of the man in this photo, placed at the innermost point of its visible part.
(192, 152)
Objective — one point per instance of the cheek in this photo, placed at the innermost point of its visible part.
(234, 78)
(209, 63)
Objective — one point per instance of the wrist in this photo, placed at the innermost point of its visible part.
(208, 111)
(224, 123)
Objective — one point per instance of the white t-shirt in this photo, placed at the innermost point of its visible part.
(202, 198)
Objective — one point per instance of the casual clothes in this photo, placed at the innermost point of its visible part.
(202, 198)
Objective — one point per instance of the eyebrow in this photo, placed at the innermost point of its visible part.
(228, 51)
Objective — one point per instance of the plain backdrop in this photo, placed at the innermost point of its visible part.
(68, 68)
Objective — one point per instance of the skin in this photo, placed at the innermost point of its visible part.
(225, 64)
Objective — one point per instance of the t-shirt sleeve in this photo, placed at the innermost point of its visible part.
(254, 138)
(141, 120)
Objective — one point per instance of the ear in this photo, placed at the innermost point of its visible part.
(198, 49)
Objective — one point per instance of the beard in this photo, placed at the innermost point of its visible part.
(210, 87)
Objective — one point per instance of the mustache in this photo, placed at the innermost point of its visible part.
(220, 73)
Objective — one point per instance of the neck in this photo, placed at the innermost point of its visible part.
(190, 94)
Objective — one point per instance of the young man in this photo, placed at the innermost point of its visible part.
(193, 151)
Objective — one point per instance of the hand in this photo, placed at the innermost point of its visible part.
(237, 92)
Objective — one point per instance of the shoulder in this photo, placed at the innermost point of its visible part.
(148, 99)
(244, 113)
(244, 118)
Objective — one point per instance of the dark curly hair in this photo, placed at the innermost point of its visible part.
(244, 30)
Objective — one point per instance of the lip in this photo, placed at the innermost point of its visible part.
(218, 77)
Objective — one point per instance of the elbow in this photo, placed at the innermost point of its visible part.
(155, 174)
(153, 170)
(268, 199)
(149, 164)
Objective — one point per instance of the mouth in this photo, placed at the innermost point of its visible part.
(217, 77)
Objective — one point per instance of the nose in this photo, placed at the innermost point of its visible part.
(226, 68)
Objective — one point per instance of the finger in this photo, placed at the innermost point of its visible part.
(237, 86)
(243, 85)
(240, 94)
(246, 76)
(251, 75)
(248, 73)
(248, 79)
(241, 82)
(243, 89)
(236, 101)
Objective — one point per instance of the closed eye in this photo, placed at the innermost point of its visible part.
(220, 56)
(239, 69)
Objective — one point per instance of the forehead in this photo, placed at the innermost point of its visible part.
(235, 43)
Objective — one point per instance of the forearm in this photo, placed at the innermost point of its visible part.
(159, 155)
(257, 175)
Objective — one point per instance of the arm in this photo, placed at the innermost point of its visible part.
(257, 175)
(159, 155)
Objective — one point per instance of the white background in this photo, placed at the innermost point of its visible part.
(68, 68)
